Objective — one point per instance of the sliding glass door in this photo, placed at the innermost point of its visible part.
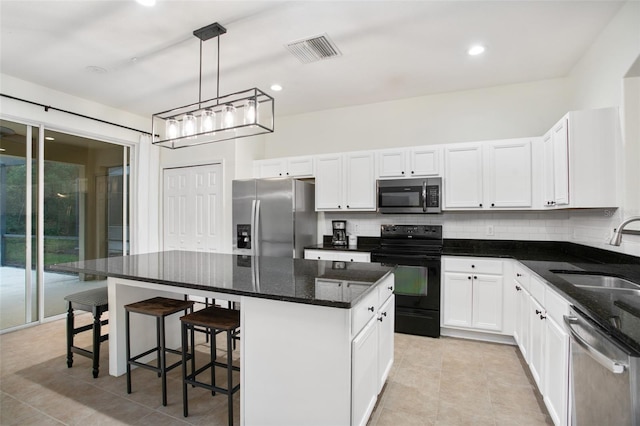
(78, 210)
(18, 175)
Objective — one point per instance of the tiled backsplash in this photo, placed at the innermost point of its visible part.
(589, 227)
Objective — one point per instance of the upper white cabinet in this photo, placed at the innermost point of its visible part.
(463, 176)
(346, 182)
(409, 162)
(488, 175)
(579, 169)
(284, 167)
(508, 179)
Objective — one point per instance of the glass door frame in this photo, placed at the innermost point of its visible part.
(129, 154)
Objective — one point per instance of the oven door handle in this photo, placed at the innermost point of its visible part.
(405, 256)
(614, 366)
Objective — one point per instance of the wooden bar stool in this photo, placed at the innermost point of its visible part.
(215, 320)
(158, 307)
(96, 302)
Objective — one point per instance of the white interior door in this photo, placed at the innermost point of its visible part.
(192, 204)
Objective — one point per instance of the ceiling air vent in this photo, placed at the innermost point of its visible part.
(313, 49)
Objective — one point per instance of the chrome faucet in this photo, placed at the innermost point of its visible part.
(617, 233)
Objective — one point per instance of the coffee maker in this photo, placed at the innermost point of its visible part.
(339, 232)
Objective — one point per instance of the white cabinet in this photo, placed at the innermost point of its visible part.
(360, 181)
(489, 175)
(409, 162)
(284, 167)
(556, 371)
(579, 167)
(386, 313)
(372, 349)
(543, 341)
(345, 182)
(463, 176)
(473, 294)
(536, 350)
(364, 373)
(338, 255)
(508, 179)
(329, 182)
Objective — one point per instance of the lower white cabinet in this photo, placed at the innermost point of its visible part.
(386, 314)
(372, 349)
(536, 350)
(543, 341)
(473, 294)
(364, 349)
(556, 371)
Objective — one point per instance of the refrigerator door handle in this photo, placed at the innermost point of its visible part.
(257, 228)
(253, 227)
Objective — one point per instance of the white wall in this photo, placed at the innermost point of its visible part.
(518, 110)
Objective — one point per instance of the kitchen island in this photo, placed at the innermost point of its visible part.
(314, 334)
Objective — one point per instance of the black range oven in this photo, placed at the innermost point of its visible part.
(415, 250)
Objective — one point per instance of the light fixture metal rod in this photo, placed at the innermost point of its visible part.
(218, 74)
(200, 79)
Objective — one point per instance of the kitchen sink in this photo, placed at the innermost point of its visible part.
(599, 282)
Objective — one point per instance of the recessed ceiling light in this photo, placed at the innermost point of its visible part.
(49, 138)
(276, 87)
(147, 3)
(475, 50)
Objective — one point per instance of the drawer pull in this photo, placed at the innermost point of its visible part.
(371, 308)
(518, 288)
(538, 312)
(390, 288)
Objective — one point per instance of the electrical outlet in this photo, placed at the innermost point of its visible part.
(489, 229)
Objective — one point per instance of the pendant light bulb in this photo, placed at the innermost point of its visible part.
(189, 125)
(250, 111)
(229, 116)
(207, 121)
(172, 128)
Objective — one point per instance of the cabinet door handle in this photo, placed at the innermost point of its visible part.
(380, 319)
(480, 204)
(493, 205)
(475, 277)
(403, 172)
(542, 317)
(473, 266)
(538, 312)
(390, 288)
(347, 205)
(412, 172)
(287, 173)
(338, 205)
(370, 308)
(469, 277)
(518, 288)
(518, 274)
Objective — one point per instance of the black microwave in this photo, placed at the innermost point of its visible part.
(410, 195)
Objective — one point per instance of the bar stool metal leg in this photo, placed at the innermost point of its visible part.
(229, 379)
(96, 341)
(70, 334)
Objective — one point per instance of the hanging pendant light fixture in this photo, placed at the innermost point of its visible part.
(237, 115)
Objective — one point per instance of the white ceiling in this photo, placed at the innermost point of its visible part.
(390, 49)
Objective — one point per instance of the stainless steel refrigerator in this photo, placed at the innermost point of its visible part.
(273, 217)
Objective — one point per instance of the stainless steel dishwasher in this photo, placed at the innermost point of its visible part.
(605, 378)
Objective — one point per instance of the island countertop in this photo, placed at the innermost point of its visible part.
(276, 278)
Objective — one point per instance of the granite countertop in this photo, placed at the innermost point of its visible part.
(278, 278)
(617, 314)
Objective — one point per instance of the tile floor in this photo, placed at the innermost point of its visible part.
(434, 381)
